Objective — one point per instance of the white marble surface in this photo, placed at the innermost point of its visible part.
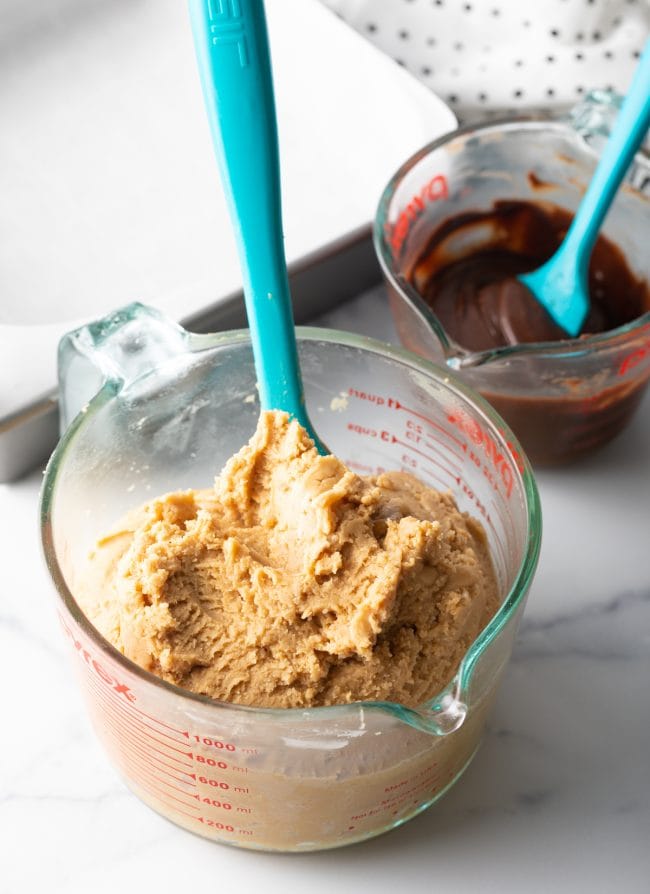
(557, 799)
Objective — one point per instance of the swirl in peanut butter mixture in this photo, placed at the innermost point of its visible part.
(295, 582)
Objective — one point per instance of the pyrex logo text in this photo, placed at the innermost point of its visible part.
(95, 666)
(434, 189)
(480, 438)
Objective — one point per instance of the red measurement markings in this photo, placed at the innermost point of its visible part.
(125, 743)
(415, 433)
(131, 724)
(125, 738)
(428, 476)
(429, 459)
(124, 735)
(124, 750)
(500, 548)
(175, 729)
(481, 439)
(135, 724)
(396, 405)
(453, 465)
(135, 709)
(390, 438)
(362, 430)
(211, 762)
(637, 356)
(206, 780)
(136, 719)
(398, 799)
(156, 794)
(212, 743)
(222, 827)
(433, 190)
(222, 784)
(218, 805)
(511, 525)
(376, 399)
(112, 684)
(497, 536)
(135, 716)
(119, 731)
(140, 771)
(467, 490)
(91, 663)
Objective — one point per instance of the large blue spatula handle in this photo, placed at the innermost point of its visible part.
(233, 57)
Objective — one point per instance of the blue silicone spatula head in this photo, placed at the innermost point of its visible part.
(560, 285)
(233, 58)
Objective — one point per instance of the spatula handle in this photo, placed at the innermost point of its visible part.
(628, 132)
(233, 55)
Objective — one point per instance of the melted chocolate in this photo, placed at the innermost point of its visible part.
(478, 300)
(467, 275)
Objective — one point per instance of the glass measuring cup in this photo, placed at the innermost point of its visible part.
(561, 398)
(169, 409)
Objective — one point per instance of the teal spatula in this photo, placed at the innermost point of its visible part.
(560, 285)
(232, 50)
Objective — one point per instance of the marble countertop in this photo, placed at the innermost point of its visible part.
(557, 799)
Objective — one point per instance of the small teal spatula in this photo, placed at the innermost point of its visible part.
(560, 285)
(234, 64)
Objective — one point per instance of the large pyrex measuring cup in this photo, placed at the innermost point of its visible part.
(169, 408)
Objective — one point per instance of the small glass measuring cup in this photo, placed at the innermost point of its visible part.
(563, 398)
(169, 409)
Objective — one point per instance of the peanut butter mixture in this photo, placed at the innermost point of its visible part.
(295, 582)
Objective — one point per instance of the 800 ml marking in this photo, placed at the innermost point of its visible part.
(210, 761)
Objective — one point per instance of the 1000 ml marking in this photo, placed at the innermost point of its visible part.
(221, 745)
(214, 743)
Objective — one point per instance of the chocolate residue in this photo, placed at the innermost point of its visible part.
(538, 184)
(467, 274)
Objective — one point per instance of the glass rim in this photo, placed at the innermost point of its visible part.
(462, 356)
(498, 429)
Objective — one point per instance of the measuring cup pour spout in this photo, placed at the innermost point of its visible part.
(443, 715)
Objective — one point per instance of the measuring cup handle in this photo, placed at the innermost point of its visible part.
(593, 119)
(112, 352)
